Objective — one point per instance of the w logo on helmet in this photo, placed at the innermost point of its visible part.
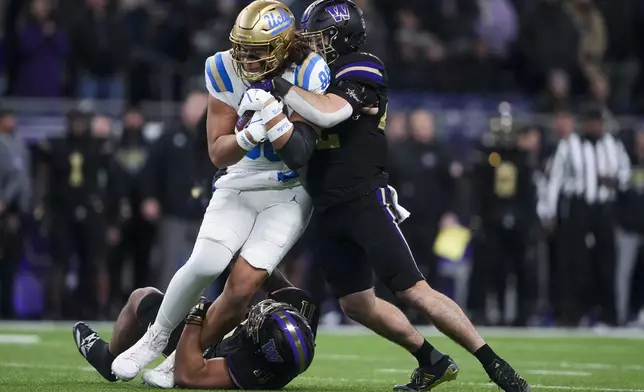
(270, 352)
(339, 12)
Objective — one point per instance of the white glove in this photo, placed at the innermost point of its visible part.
(256, 129)
(253, 100)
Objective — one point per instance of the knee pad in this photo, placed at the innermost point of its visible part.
(147, 311)
(208, 259)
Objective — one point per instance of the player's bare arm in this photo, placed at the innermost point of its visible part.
(191, 369)
(223, 145)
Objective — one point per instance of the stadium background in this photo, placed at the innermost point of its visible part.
(456, 68)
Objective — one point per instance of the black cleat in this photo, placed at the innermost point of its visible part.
(502, 374)
(428, 377)
(92, 348)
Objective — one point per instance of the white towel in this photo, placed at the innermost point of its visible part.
(401, 212)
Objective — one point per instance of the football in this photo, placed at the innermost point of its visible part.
(245, 119)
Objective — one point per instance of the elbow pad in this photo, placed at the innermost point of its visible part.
(299, 147)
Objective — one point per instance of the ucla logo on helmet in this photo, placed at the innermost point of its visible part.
(339, 12)
(277, 19)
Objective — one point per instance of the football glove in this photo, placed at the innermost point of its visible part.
(253, 100)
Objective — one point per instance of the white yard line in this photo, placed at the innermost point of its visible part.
(19, 339)
(541, 372)
(338, 380)
(352, 330)
(21, 365)
(546, 372)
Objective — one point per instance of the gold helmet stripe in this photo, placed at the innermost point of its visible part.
(218, 75)
(302, 77)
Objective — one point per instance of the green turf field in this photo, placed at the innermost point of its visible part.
(39, 358)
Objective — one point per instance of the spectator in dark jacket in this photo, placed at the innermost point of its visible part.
(549, 40)
(180, 174)
(129, 235)
(630, 231)
(2, 67)
(42, 51)
(100, 45)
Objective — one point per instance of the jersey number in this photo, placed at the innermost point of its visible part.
(266, 150)
(307, 310)
(325, 78)
(76, 169)
(505, 180)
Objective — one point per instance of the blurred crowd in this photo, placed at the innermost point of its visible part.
(114, 204)
(558, 50)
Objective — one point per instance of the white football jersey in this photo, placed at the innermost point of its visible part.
(261, 167)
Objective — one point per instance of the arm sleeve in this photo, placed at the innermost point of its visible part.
(299, 147)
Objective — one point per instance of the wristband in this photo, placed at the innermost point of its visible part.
(279, 129)
(243, 141)
(269, 112)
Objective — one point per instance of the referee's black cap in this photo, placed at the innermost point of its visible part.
(592, 111)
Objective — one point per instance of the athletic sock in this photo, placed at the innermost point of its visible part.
(486, 355)
(428, 355)
(100, 357)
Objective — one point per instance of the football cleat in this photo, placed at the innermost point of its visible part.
(162, 376)
(502, 374)
(86, 338)
(426, 378)
(130, 363)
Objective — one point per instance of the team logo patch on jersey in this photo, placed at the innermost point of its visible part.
(339, 12)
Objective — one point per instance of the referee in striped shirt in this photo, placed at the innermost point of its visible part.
(586, 172)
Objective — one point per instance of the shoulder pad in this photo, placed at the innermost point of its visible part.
(361, 67)
(313, 74)
(216, 74)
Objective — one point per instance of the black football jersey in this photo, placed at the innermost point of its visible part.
(350, 158)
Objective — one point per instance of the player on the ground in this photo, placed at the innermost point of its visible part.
(357, 213)
(258, 354)
(259, 206)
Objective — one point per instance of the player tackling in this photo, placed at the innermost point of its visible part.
(357, 213)
(275, 344)
(259, 207)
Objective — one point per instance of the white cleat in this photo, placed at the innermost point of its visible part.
(162, 376)
(130, 363)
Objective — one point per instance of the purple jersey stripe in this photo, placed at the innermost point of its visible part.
(369, 64)
(362, 74)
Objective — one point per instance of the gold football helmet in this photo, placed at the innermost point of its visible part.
(261, 37)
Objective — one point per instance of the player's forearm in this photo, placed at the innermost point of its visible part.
(225, 151)
(189, 361)
(325, 110)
